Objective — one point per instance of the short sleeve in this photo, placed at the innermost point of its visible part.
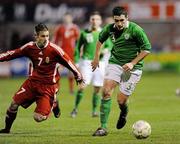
(104, 34)
(142, 39)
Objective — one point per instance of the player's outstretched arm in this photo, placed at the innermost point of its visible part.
(95, 62)
(140, 56)
(9, 55)
(65, 60)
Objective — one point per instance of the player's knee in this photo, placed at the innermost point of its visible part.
(121, 102)
(97, 89)
(14, 106)
(82, 86)
(106, 93)
(122, 98)
(39, 117)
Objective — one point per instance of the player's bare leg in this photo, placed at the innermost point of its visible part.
(39, 117)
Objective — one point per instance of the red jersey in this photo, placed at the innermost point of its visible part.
(45, 61)
(65, 37)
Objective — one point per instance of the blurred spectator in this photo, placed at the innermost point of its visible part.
(108, 20)
(156, 48)
(65, 36)
(15, 40)
(26, 39)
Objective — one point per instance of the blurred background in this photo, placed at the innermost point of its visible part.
(160, 19)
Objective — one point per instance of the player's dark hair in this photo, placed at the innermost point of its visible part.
(40, 27)
(67, 13)
(95, 13)
(118, 10)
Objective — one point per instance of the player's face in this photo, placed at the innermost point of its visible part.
(120, 21)
(95, 21)
(42, 38)
(67, 19)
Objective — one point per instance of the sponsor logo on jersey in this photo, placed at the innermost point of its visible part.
(126, 36)
(47, 60)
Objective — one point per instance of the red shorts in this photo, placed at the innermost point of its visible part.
(42, 94)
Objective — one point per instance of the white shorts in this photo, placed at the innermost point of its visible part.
(127, 80)
(96, 77)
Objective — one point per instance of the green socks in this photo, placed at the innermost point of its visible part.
(104, 112)
(95, 102)
(79, 97)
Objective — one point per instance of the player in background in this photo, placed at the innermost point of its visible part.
(42, 84)
(108, 43)
(66, 35)
(85, 50)
(131, 46)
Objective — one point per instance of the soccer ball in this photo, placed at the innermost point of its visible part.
(141, 129)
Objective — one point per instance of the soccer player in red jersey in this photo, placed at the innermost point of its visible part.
(65, 36)
(42, 84)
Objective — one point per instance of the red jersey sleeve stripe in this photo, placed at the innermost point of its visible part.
(28, 44)
(57, 48)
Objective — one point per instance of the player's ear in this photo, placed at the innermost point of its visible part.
(35, 35)
(101, 21)
(127, 17)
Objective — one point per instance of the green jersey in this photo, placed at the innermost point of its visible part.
(127, 43)
(87, 41)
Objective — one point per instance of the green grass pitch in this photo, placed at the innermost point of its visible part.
(154, 100)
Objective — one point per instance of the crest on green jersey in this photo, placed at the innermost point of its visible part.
(126, 36)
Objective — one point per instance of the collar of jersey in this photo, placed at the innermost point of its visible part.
(44, 45)
(99, 29)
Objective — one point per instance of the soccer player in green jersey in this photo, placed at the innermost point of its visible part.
(131, 46)
(85, 50)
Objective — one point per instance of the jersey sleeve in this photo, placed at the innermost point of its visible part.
(142, 39)
(65, 60)
(77, 32)
(12, 54)
(76, 55)
(108, 44)
(78, 47)
(104, 34)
